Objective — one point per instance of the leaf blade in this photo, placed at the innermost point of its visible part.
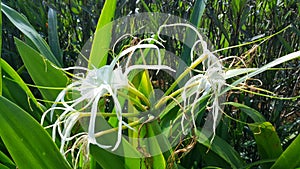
(24, 26)
(41, 70)
(101, 42)
(26, 140)
(290, 157)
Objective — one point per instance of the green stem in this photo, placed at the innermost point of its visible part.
(183, 74)
(133, 124)
(86, 114)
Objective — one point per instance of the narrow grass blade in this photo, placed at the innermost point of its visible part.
(267, 140)
(24, 26)
(103, 34)
(53, 35)
(41, 71)
(27, 142)
(290, 157)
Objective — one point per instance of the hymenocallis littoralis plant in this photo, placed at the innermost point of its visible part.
(109, 80)
(112, 80)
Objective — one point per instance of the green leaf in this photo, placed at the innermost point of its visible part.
(222, 149)
(103, 34)
(197, 13)
(252, 113)
(286, 44)
(13, 92)
(236, 72)
(3, 166)
(24, 26)
(27, 142)
(6, 161)
(0, 49)
(15, 76)
(267, 140)
(290, 157)
(105, 158)
(274, 63)
(53, 35)
(157, 143)
(41, 71)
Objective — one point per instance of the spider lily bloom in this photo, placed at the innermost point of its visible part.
(96, 84)
(202, 84)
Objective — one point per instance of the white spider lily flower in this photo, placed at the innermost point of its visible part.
(202, 84)
(96, 84)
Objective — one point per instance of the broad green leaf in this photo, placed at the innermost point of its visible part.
(53, 35)
(41, 71)
(24, 26)
(27, 142)
(15, 76)
(0, 50)
(106, 159)
(222, 149)
(252, 113)
(267, 140)
(290, 157)
(103, 34)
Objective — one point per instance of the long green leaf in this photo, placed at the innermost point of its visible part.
(252, 113)
(24, 26)
(274, 63)
(15, 76)
(290, 157)
(53, 35)
(106, 159)
(236, 72)
(190, 37)
(222, 149)
(27, 142)
(41, 71)
(103, 34)
(267, 140)
(0, 49)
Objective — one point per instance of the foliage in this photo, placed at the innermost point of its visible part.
(35, 83)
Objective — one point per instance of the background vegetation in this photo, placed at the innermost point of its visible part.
(225, 23)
